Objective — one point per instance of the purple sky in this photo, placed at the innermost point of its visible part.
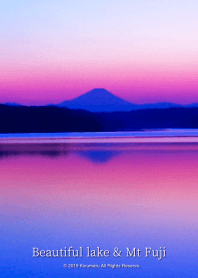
(142, 50)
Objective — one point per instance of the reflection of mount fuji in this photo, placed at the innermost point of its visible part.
(96, 156)
(99, 156)
(100, 100)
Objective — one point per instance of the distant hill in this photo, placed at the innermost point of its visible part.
(44, 119)
(159, 105)
(12, 104)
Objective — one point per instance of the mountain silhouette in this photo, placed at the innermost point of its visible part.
(12, 104)
(159, 105)
(99, 100)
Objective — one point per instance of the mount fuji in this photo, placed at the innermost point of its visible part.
(101, 100)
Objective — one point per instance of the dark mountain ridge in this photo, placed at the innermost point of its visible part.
(47, 119)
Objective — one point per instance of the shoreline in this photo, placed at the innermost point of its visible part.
(100, 140)
(144, 137)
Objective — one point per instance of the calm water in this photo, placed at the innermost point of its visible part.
(99, 195)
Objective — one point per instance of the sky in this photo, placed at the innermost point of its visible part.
(140, 50)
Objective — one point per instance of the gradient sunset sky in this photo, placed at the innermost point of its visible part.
(141, 50)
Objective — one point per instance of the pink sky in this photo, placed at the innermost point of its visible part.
(42, 83)
(141, 51)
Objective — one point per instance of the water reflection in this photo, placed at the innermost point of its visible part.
(99, 156)
(102, 195)
(52, 151)
(97, 153)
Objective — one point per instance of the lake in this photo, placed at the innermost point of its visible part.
(107, 195)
